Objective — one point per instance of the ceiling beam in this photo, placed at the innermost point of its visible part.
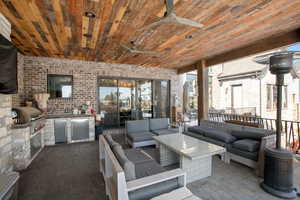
(259, 46)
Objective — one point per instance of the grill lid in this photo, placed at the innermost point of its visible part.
(27, 114)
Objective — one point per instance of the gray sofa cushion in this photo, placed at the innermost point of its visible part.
(198, 129)
(127, 165)
(160, 123)
(246, 154)
(220, 135)
(137, 156)
(137, 126)
(247, 145)
(151, 191)
(206, 139)
(110, 140)
(140, 137)
(166, 131)
(148, 168)
(256, 135)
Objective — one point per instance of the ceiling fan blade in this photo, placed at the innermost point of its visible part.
(126, 47)
(188, 22)
(144, 52)
(154, 24)
(170, 6)
(138, 51)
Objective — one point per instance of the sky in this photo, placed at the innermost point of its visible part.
(295, 47)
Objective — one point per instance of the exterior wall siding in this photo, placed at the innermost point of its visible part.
(85, 78)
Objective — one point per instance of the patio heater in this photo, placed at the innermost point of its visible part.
(278, 169)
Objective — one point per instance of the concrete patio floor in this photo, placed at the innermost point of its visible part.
(234, 182)
(65, 172)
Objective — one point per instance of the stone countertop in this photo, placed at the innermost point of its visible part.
(25, 125)
(19, 126)
(51, 116)
(66, 115)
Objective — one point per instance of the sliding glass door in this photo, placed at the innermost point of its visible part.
(132, 99)
(127, 105)
(161, 99)
(144, 96)
(108, 102)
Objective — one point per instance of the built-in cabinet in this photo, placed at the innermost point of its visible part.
(79, 129)
(60, 131)
(69, 130)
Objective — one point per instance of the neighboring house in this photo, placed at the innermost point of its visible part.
(243, 86)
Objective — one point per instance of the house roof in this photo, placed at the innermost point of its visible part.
(61, 29)
(242, 67)
(247, 67)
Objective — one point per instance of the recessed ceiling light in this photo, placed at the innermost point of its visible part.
(90, 14)
(188, 37)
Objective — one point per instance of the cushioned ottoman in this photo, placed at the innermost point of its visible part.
(140, 137)
(166, 131)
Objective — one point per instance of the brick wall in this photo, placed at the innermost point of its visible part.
(5, 134)
(85, 78)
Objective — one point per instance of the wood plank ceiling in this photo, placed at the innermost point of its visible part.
(59, 28)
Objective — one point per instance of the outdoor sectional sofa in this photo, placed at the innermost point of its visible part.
(243, 144)
(131, 174)
(140, 132)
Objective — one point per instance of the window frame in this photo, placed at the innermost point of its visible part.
(273, 104)
(60, 75)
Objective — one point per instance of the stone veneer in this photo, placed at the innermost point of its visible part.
(5, 133)
(85, 78)
(19, 98)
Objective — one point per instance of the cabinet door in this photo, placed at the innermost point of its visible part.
(60, 130)
(80, 129)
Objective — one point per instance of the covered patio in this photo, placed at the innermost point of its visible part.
(234, 181)
(112, 71)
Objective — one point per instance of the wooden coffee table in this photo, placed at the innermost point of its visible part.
(193, 155)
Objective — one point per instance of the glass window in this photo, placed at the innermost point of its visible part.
(272, 97)
(269, 97)
(60, 86)
(284, 97)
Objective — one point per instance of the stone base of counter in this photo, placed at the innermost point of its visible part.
(21, 148)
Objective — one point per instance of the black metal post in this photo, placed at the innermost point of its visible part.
(279, 83)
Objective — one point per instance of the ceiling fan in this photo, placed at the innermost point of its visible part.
(134, 50)
(170, 16)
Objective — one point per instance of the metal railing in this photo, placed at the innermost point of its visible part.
(236, 111)
(291, 129)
